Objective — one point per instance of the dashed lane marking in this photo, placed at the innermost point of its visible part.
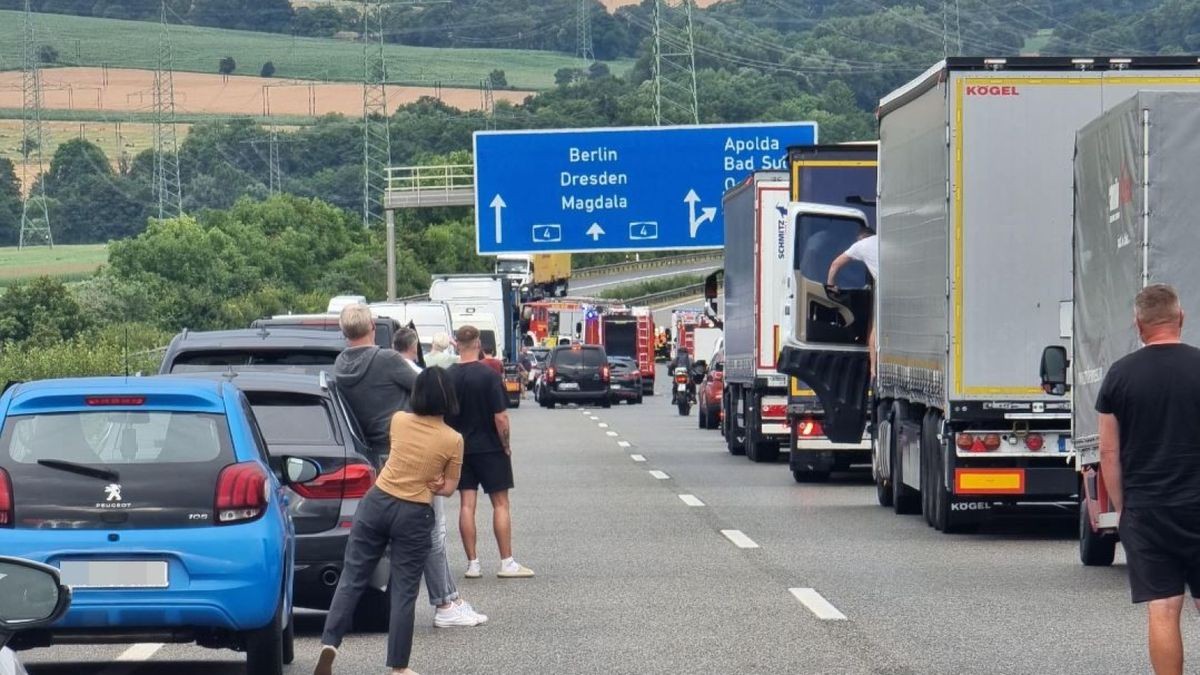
(817, 604)
(739, 539)
(659, 475)
(691, 500)
(637, 458)
(603, 425)
(611, 433)
(624, 444)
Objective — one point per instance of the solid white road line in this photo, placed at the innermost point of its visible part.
(659, 475)
(739, 539)
(817, 604)
(624, 444)
(140, 652)
(637, 458)
(691, 500)
(603, 425)
(611, 433)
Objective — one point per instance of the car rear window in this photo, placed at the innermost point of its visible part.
(293, 419)
(299, 359)
(116, 437)
(589, 358)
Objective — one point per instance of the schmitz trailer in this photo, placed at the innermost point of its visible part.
(754, 399)
(1135, 169)
(975, 193)
(843, 176)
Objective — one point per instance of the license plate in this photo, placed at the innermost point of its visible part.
(512, 386)
(681, 387)
(114, 573)
(568, 386)
(616, 386)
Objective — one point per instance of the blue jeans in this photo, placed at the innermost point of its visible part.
(438, 579)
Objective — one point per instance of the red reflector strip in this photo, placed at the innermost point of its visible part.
(114, 400)
(774, 410)
(989, 481)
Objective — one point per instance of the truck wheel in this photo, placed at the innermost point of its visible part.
(905, 501)
(929, 467)
(883, 486)
(758, 449)
(939, 497)
(1096, 549)
(735, 439)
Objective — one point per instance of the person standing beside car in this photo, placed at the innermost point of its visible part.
(452, 610)
(425, 460)
(375, 382)
(439, 352)
(487, 458)
(1149, 406)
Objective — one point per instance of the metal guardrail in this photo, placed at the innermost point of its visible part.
(638, 265)
(438, 185)
(654, 300)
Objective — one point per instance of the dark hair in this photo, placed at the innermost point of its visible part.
(404, 339)
(865, 231)
(433, 394)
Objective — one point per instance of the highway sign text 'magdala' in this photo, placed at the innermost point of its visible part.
(625, 189)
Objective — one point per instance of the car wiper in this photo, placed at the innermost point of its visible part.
(81, 469)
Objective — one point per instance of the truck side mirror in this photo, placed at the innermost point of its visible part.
(710, 286)
(1054, 370)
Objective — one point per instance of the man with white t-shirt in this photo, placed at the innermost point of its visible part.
(866, 251)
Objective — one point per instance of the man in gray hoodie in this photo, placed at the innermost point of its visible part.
(375, 382)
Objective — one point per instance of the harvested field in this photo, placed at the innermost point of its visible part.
(115, 138)
(125, 90)
(69, 263)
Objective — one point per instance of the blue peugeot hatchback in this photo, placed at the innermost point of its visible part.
(154, 498)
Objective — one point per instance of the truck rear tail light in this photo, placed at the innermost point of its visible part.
(349, 482)
(1035, 442)
(114, 400)
(605, 374)
(6, 500)
(241, 493)
(774, 410)
(964, 441)
(809, 428)
(991, 441)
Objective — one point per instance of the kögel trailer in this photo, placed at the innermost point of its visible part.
(975, 194)
(1135, 168)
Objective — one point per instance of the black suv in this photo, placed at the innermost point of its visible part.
(576, 373)
(304, 416)
(282, 349)
(385, 328)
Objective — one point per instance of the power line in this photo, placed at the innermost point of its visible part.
(35, 215)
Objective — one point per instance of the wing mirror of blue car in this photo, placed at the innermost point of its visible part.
(31, 596)
(1054, 370)
(300, 470)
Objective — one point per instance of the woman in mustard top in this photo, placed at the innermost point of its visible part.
(425, 460)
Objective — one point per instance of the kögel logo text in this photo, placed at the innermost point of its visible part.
(991, 90)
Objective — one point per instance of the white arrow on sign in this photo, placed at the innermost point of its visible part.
(595, 231)
(498, 205)
(707, 214)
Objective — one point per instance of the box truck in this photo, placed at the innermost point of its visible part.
(539, 276)
(1134, 203)
(835, 175)
(484, 301)
(975, 193)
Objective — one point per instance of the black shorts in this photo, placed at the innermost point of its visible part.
(1162, 548)
(490, 470)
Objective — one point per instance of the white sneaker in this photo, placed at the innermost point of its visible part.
(455, 616)
(514, 570)
(466, 607)
(474, 571)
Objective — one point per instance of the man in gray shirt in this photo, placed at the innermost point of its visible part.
(375, 382)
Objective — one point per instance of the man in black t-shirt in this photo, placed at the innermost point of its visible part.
(1149, 407)
(487, 452)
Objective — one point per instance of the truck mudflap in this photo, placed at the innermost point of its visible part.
(840, 378)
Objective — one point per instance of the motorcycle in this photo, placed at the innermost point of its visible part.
(683, 395)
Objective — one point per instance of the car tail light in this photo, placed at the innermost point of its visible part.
(991, 441)
(808, 428)
(114, 400)
(964, 441)
(352, 481)
(605, 373)
(550, 374)
(1034, 442)
(241, 493)
(6, 500)
(774, 410)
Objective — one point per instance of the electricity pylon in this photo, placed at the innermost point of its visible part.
(675, 98)
(35, 216)
(167, 186)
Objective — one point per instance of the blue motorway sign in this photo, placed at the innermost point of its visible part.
(624, 189)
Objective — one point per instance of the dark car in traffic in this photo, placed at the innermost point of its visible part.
(576, 373)
(305, 416)
(710, 392)
(625, 380)
(275, 349)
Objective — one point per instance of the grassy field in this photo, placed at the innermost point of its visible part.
(69, 263)
(133, 44)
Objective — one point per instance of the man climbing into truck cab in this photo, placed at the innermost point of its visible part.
(1150, 460)
(866, 251)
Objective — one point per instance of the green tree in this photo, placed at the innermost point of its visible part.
(268, 69)
(47, 54)
(498, 79)
(10, 203)
(227, 65)
(42, 310)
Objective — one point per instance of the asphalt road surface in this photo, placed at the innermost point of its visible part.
(658, 552)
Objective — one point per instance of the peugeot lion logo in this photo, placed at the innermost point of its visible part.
(112, 493)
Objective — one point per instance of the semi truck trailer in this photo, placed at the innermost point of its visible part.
(974, 203)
